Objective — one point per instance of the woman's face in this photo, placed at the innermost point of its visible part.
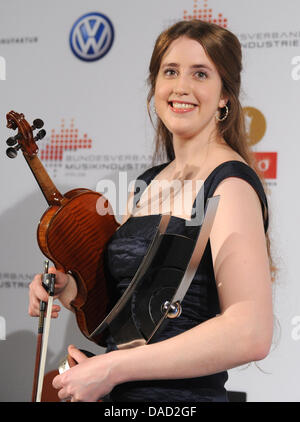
(188, 90)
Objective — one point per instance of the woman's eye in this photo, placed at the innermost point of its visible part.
(201, 75)
(170, 72)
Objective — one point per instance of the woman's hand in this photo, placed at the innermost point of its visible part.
(65, 290)
(88, 381)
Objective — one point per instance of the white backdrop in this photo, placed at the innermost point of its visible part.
(104, 103)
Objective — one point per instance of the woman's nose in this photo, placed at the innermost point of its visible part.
(181, 86)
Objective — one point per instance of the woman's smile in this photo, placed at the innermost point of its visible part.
(181, 107)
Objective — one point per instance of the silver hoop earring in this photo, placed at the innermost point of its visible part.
(221, 119)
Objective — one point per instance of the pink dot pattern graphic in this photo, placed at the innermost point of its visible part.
(205, 14)
(66, 139)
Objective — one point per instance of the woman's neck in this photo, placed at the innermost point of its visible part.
(194, 151)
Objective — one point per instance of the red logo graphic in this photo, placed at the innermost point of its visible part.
(205, 14)
(267, 164)
(66, 140)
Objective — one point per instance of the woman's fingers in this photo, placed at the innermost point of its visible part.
(61, 280)
(38, 293)
(76, 354)
(55, 311)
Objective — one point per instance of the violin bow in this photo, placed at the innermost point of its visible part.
(43, 335)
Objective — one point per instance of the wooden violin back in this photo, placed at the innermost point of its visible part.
(73, 237)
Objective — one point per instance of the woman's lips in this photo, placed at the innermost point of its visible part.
(181, 107)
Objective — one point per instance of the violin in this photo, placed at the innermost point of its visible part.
(72, 232)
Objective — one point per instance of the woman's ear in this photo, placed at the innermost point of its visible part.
(223, 101)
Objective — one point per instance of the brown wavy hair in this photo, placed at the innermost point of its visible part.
(224, 49)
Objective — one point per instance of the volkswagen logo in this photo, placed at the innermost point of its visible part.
(91, 36)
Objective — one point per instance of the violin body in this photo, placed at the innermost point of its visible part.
(73, 236)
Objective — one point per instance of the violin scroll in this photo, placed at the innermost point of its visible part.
(24, 138)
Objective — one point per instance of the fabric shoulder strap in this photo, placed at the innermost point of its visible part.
(243, 171)
(146, 177)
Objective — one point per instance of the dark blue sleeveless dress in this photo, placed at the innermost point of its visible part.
(124, 254)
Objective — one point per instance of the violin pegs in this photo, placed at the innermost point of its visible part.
(12, 152)
(11, 141)
(37, 124)
(40, 135)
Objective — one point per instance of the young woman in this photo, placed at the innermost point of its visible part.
(226, 319)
